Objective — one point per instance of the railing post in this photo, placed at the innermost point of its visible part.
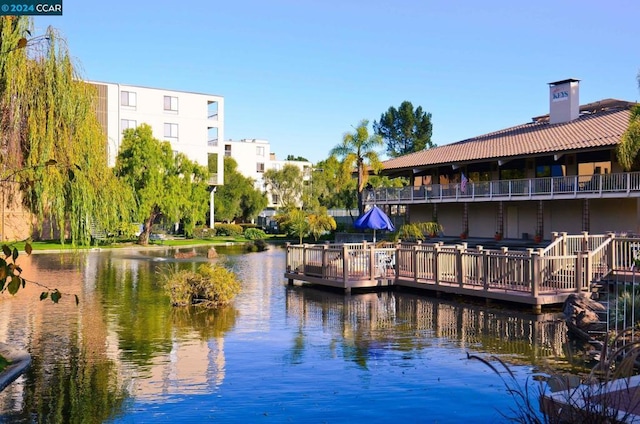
(535, 274)
(304, 259)
(459, 268)
(345, 265)
(588, 275)
(563, 245)
(324, 260)
(436, 268)
(578, 272)
(372, 265)
(287, 246)
(612, 251)
(504, 264)
(485, 266)
(554, 236)
(527, 274)
(414, 263)
(585, 240)
(397, 264)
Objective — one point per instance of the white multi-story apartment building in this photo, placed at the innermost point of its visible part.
(254, 157)
(192, 122)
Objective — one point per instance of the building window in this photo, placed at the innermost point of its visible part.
(171, 130)
(259, 150)
(128, 98)
(227, 150)
(171, 103)
(274, 199)
(125, 124)
(260, 167)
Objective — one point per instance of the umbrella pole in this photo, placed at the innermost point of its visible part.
(374, 236)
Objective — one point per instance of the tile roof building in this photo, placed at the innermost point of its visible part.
(556, 173)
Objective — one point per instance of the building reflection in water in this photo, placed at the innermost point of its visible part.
(406, 321)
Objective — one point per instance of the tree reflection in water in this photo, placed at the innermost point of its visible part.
(365, 325)
(287, 352)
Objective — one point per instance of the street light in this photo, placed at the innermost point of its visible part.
(212, 207)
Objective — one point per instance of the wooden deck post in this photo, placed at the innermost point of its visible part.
(529, 271)
(578, 272)
(324, 261)
(485, 266)
(535, 273)
(372, 263)
(288, 256)
(563, 245)
(414, 262)
(397, 261)
(459, 268)
(304, 259)
(345, 265)
(504, 265)
(588, 275)
(585, 241)
(612, 251)
(436, 268)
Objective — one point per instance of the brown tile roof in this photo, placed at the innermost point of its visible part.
(595, 128)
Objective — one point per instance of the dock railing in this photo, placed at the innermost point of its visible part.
(571, 263)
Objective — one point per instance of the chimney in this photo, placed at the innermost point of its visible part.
(564, 104)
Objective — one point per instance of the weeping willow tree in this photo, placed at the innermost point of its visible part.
(51, 142)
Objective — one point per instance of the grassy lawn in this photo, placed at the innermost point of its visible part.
(54, 245)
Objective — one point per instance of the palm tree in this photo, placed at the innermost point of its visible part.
(629, 147)
(359, 149)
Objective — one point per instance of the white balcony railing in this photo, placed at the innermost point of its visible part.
(576, 186)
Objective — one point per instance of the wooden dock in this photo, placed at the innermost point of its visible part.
(536, 277)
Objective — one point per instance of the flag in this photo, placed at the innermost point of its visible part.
(463, 183)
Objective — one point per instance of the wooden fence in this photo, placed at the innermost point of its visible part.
(571, 263)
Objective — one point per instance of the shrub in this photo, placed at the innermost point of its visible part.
(209, 286)
(254, 234)
(232, 230)
(258, 245)
(204, 233)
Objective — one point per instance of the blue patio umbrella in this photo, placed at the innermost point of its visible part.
(374, 219)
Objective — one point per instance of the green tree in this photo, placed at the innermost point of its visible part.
(295, 222)
(629, 147)
(320, 222)
(297, 158)
(47, 115)
(358, 151)
(238, 199)
(165, 185)
(287, 183)
(405, 130)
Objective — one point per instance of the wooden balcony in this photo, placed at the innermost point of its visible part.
(570, 187)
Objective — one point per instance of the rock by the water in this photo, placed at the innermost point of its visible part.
(211, 254)
(581, 315)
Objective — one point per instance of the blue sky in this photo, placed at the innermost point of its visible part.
(301, 73)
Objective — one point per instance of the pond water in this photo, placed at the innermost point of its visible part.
(279, 354)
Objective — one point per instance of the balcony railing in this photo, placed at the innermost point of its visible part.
(575, 186)
(213, 142)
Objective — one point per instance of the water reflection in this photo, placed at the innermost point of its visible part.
(125, 354)
(368, 324)
(123, 339)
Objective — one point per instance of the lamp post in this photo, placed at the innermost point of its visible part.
(212, 207)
